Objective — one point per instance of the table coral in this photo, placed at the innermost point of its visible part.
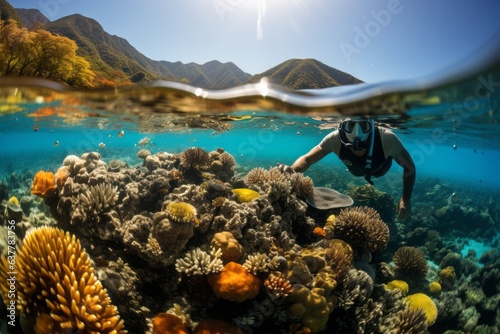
(425, 303)
(43, 184)
(55, 278)
(277, 285)
(234, 283)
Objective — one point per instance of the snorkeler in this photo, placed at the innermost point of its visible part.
(366, 150)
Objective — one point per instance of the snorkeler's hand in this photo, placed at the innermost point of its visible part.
(404, 209)
(285, 168)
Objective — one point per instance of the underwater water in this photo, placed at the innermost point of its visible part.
(153, 259)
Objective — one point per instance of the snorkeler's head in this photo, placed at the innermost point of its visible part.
(356, 133)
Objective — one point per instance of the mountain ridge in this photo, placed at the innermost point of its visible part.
(116, 61)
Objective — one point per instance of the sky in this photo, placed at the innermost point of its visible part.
(374, 40)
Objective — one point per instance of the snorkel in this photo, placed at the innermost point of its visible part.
(369, 156)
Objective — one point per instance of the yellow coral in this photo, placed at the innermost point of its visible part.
(425, 303)
(435, 287)
(399, 285)
(56, 283)
(447, 277)
(13, 200)
(234, 283)
(311, 305)
(245, 195)
(181, 212)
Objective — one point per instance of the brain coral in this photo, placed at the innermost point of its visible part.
(362, 228)
(58, 286)
(410, 262)
(425, 303)
(43, 184)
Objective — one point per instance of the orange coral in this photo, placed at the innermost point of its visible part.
(214, 326)
(231, 249)
(319, 232)
(57, 284)
(166, 323)
(234, 283)
(43, 184)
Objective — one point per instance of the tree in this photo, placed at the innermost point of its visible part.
(39, 53)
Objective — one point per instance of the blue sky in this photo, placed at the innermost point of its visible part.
(374, 40)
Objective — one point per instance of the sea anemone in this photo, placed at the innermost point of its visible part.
(99, 198)
(57, 284)
(244, 195)
(181, 212)
(425, 303)
(410, 263)
(43, 184)
(194, 158)
(362, 228)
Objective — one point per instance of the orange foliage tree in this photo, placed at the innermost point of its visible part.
(39, 53)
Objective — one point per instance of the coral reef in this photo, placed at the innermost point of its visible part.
(175, 246)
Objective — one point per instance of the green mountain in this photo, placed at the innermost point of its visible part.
(32, 17)
(115, 61)
(306, 74)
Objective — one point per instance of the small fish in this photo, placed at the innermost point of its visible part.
(35, 127)
(56, 143)
(455, 147)
(102, 145)
(121, 133)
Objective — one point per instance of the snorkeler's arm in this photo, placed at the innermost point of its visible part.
(327, 145)
(304, 162)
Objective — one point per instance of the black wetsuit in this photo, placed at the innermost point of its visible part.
(356, 165)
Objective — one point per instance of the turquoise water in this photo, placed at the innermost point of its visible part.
(448, 122)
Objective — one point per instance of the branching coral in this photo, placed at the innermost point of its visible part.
(425, 303)
(181, 212)
(357, 287)
(57, 284)
(198, 262)
(99, 198)
(43, 184)
(362, 228)
(410, 263)
(277, 285)
(256, 263)
(297, 183)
